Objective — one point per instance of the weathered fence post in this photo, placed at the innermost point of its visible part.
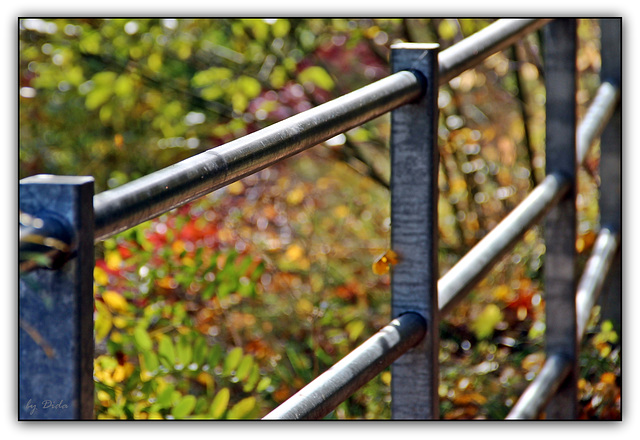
(414, 201)
(56, 305)
(610, 167)
(560, 225)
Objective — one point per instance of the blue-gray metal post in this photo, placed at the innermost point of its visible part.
(414, 201)
(56, 304)
(560, 225)
(610, 167)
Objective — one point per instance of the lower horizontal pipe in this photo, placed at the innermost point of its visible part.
(536, 396)
(543, 387)
(594, 275)
(334, 386)
(476, 263)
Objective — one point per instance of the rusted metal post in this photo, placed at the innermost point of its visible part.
(56, 304)
(414, 201)
(560, 226)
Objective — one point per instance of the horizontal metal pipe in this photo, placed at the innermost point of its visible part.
(596, 118)
(544, 386)
(594, 275)
(536, 396)
(473, 49)
(145, 198)
(335, 385)
(476, 263)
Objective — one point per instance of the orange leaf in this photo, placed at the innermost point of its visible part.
(382, 264)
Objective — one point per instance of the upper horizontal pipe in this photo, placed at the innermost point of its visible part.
(473, 49)
(149, 196)
(596, 118)
(140, 200)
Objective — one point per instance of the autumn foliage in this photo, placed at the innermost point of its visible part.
(226, 306)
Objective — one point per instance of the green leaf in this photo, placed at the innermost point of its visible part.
(212, 93)
(244, 368)
(184, 407)
(220, 403)
(104, 79)
(280, 28)
(103, 321)
(200, 351)
(249, 86)
(355, 329)
(150, 360)
(97, 97)
(166, 351)
(211, 76)
(263, 384)
(486, 322)
(123, 86)
(226, 288)
(253, 379)
(164, 399)
(255, 275)
(142, 339)
(242, 408)
(299, 364)
(184, 350)
(208, 291)
(318, 76)
(215, 354)
(232, 360)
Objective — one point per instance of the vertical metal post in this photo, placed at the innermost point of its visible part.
(560, 225)
(56, 307)
(414, 201)
(610, 167)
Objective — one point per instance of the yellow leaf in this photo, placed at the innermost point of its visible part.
(177, 246)
(236, 188)
(115, 301)
(294, 252)
(486, 322)
(533, 361)
(341, 211)
(304, 307)
(609, 378)
(502, 292)
(155, 61)
(102, 322)
(100, 276)
(295, 196)
(188, 261)
(206, 379)
(119, 322)
(103, 397)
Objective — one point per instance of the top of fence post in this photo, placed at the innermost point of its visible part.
(414, 197)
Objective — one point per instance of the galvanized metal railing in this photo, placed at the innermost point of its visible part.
(64, 231)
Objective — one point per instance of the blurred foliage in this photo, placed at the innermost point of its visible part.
(227, 306)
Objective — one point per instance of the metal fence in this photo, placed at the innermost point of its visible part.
(61, 219)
